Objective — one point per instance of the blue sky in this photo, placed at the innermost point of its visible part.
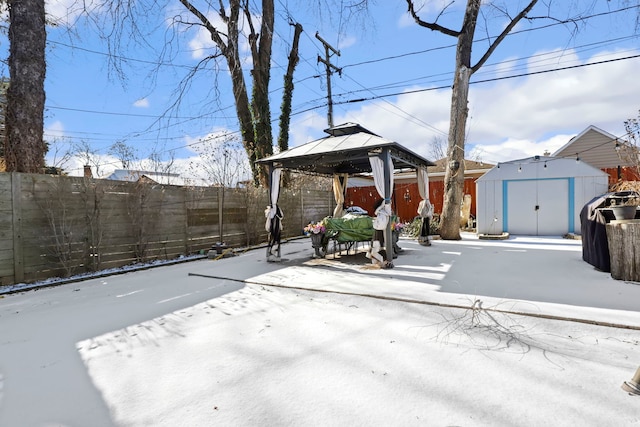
(399, 72)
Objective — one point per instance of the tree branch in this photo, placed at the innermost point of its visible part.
(213, 31)
(505, 32)
(222, 13)
(434, 26)
(253, 36)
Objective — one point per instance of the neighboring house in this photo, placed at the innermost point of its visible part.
(604, 151)
(537, 196)
(155, 177)
(472, 171)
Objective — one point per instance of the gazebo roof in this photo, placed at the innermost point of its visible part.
(345, 150)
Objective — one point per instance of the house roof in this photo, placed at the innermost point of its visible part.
(598, 148)
(157, 177)
(469, 166)
(345, 150)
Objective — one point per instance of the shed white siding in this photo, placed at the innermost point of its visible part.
(536, 196)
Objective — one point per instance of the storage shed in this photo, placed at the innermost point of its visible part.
(539, 196)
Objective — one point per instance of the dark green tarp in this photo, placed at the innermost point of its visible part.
(349, 228)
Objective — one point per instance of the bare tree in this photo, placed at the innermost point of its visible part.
(287, 96)
(629, 153)
(230, 25)
(221, 163)
(454, 175)
(62, 221)
(87, 155)
(632, 127)
(255, 116)
(438, 147)
(224, 164)
(24, 147)
(59, 152)
(158, 162)
(4, 85)
(123, 152)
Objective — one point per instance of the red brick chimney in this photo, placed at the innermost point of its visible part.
(87, 171)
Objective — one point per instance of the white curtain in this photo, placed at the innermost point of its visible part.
(425, 208)
(423, 182)
(274, 193)
(338, 193)
(377, 167)
(384, 211)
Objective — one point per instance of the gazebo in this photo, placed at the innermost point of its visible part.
(348, 149)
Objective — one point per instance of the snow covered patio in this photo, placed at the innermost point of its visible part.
(240, 341)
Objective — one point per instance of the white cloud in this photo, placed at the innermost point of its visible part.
(346, 41)
(65, 12)
(405, 21)
(194, 142)
(101, 165)
(201, 43)
(306, 128)
(141, 103)
(513, 149)
(59, 146)
(540, 105)
(54, 130)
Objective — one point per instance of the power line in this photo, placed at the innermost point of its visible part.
(489, 80)
(542, 57)
(396, 94)
(201, 141)
(186, 119)
(484, 39)
(345, 66)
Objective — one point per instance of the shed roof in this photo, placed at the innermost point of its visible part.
(540, 168)
(345, 150)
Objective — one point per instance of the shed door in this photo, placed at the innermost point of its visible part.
(538, 207)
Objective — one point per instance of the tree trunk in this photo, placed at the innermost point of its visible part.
(243, 110)
(24, 144)
(287, 95)
(454, 175)
(231, 53)
(623, 238)
(261, 74)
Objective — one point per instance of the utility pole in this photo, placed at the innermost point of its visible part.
(329, 66)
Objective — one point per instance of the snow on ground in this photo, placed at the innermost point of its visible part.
(264, 356)
(339, 342)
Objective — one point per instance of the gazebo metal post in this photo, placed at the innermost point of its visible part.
(388, 241)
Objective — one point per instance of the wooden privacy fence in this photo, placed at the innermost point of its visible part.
(58, 226)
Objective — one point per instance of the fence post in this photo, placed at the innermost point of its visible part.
(220, 208)
(18, 243)
(185, 223)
